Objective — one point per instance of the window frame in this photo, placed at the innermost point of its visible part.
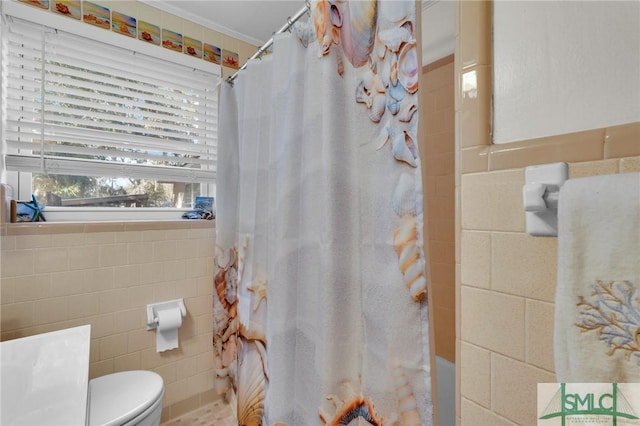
(21, 181)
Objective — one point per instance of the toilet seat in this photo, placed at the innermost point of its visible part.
(116, 399)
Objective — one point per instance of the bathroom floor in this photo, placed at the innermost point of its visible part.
(215, 414)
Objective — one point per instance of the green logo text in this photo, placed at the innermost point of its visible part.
(565, 404)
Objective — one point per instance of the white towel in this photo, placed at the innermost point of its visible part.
(597, 317)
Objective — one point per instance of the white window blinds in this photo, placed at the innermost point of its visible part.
(76, 106)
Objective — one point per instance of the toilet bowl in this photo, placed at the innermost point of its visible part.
(126, 398)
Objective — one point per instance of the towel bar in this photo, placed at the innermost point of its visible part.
(540, 196)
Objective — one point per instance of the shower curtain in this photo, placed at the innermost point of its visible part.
(320, 313)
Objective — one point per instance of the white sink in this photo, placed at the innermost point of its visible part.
(44, 378)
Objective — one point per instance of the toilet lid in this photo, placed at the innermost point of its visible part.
(116, 398)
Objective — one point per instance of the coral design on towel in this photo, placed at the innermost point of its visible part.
(613, 310)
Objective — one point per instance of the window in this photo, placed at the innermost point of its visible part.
(87, 123)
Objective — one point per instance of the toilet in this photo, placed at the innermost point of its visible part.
(125, 399)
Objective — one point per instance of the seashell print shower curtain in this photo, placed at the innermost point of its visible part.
(320, 313)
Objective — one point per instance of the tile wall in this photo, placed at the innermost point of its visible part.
(437, 95)
(505, 279)
(507, 285)
(54, 276)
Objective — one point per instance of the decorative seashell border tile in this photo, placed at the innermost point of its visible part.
(217, 413)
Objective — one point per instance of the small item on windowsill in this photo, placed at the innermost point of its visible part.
(203, 203)
(27, 211)
(198, 214)
(202, 209)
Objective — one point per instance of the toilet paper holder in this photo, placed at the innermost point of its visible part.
(153, 308)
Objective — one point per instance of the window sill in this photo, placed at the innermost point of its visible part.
(101, 214)
(68, 227)
(140, 219)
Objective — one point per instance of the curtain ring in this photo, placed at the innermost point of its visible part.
(289, 23)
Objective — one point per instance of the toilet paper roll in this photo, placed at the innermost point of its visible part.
(169, 320)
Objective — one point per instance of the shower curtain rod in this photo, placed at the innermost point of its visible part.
(264, 47)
